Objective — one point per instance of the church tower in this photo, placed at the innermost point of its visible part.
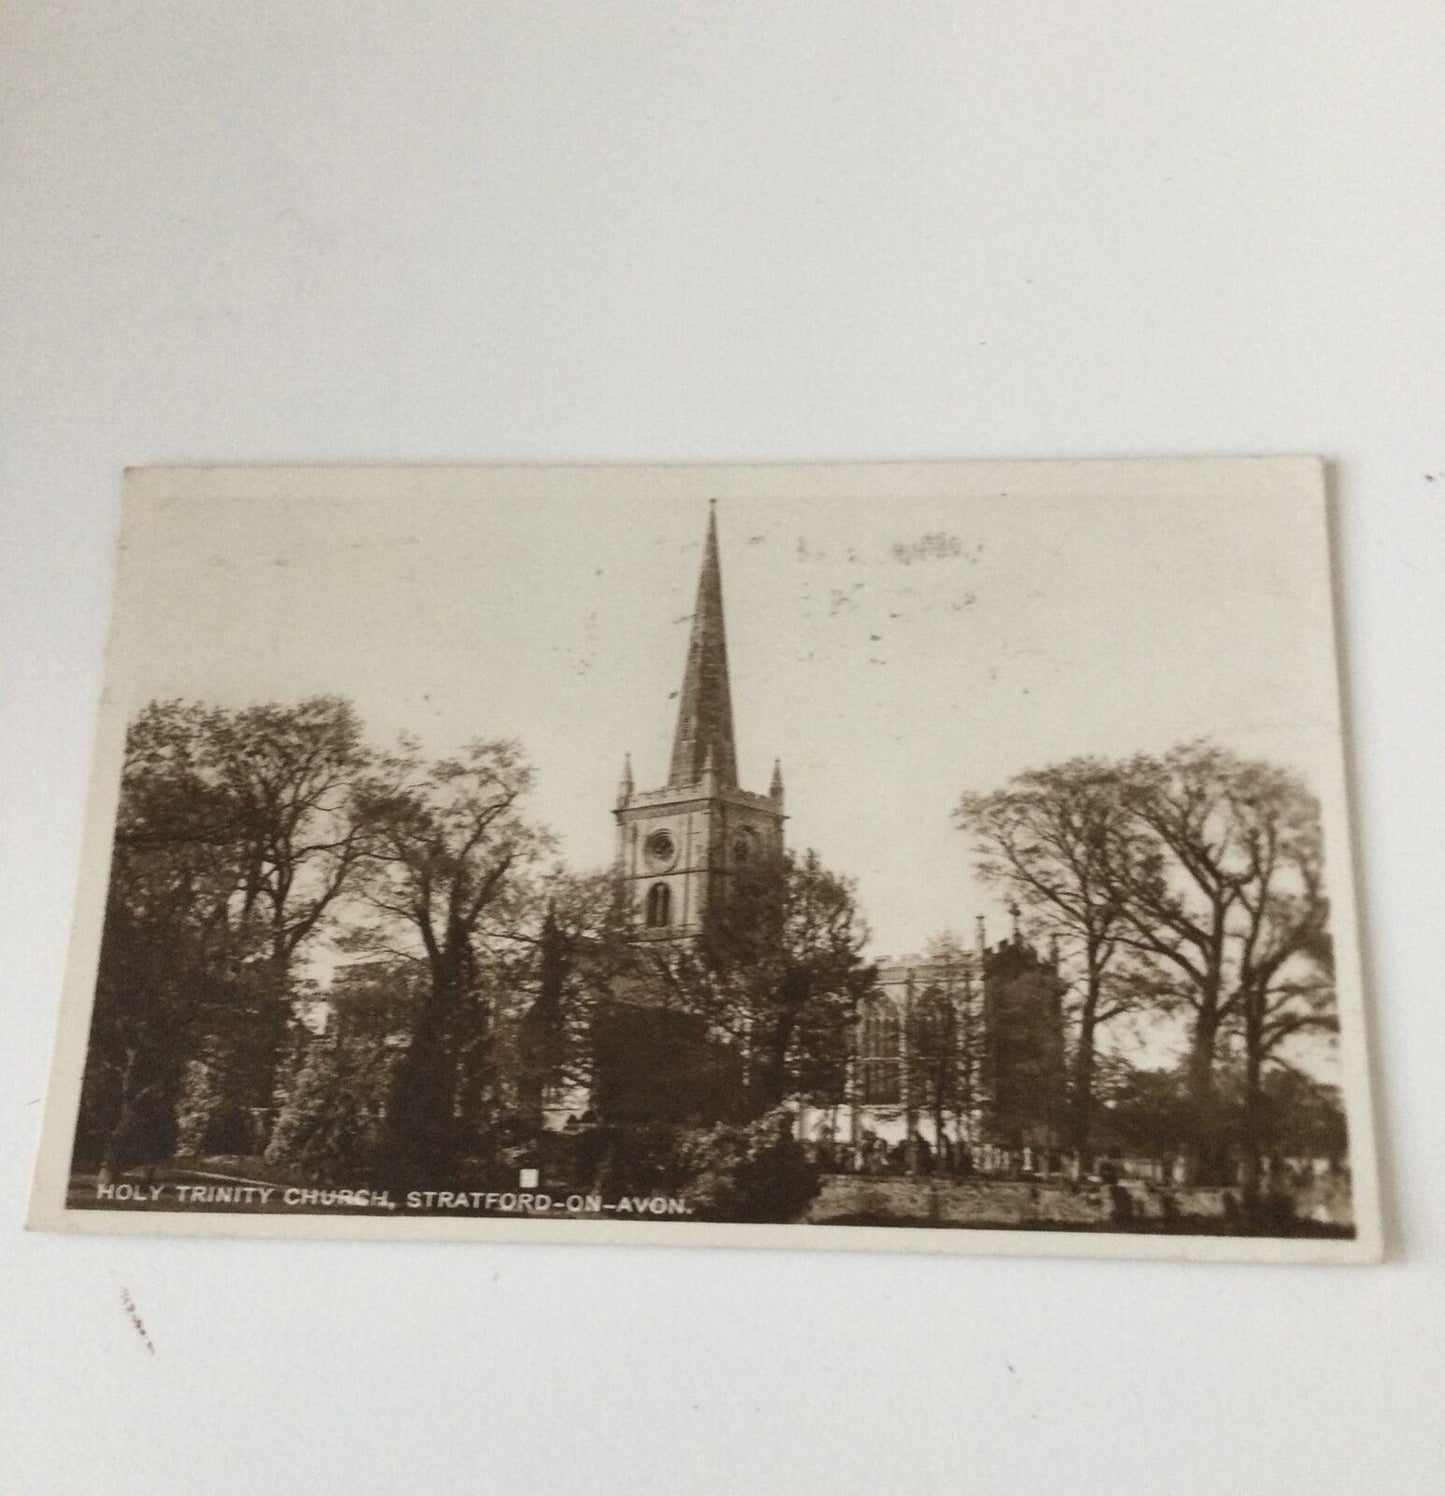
(676, 845)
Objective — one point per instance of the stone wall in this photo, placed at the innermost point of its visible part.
(1021, 1203)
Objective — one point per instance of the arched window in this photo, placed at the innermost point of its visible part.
(659, 905)
(880, 1060)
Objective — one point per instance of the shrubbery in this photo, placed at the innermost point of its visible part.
(755, 1171)
(196, 1109)
(747, 1171)
(331, 1123)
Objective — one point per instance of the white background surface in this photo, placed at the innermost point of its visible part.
(632, 231)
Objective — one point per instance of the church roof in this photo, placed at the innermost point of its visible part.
(704, 735)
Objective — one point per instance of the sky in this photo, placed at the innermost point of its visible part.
(893, 652)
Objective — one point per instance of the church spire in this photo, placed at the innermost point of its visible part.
(705, 712)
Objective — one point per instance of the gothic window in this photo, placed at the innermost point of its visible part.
(880, 1062)
(659, 905)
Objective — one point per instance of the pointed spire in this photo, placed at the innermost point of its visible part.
(980, 943)
(624, 785)
(705, 711)
(775, 789)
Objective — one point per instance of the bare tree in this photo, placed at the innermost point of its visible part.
(1285, 980)
(1222, 894)
(1052, 839)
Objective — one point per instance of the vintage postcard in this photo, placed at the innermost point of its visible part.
(946, 857)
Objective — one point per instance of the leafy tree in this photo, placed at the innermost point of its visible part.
(542, 1035)
(330, 1126)
(575, 953)
(453, 851)
(236, 833)
(178, 945)
(297, 779)
(1148, 1111)
(1300, 1117)
(781, 954)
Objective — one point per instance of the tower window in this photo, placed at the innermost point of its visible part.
(659, 905)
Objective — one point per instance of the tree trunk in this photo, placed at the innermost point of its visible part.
(1082, 1084)
(419, 1117)
(772, 1084)
(112, 1158)
(772, 1080)
(1251, 1118)
(270, 1039)
(1207, 1162)
(910, 1102)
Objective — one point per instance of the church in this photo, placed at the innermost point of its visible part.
(676, 845)
(962, 1049)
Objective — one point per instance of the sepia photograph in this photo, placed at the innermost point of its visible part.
(942, 857)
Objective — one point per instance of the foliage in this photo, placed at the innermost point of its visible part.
(1300, 1117)
(236, 833)
(571, 954)
(177, 946)
(331, 1125)
(781, 954)
(756, 1171)
(486, 983)
(453, 855)
(655, 1064)
(1148, 1111)
(200, 1103)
